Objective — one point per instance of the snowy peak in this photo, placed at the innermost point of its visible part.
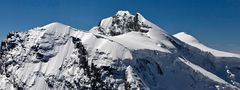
(55, 25)
(122, 22)
(123, 13)
(55, 29)
(127, 13)
(124, 52)
(186, 37)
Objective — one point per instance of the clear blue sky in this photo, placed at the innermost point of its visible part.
(215, 23)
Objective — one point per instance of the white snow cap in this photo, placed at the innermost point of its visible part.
(123, 22)
(123, 52)
(186, 37)
(54, 24)
(121, 13)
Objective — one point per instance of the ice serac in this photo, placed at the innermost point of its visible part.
(124, 51)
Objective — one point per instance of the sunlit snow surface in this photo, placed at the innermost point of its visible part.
(194, 42)
(120, 53)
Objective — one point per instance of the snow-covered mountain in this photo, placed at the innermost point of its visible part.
(124, 51)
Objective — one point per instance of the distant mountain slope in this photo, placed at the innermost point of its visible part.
(194, 42)
(124, 51)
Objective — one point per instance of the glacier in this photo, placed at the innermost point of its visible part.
(123, 52)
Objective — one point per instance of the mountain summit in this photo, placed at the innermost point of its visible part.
(123, 52)
(124, 22)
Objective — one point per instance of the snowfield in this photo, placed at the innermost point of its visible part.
(124, 52)
(194, 42)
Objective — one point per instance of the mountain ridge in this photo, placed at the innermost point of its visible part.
(124, 51)
(194, 42)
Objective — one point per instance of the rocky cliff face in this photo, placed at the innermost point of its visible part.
(124, 51)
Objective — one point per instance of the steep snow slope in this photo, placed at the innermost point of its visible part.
(124, 51)
(131, 31)
(194, 42)
(223, 64)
